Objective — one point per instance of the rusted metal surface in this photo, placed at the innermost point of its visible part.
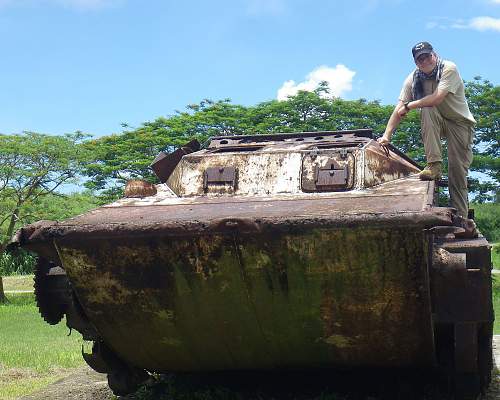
(324, 297)
(164, 164)
(383, 167)
(328, 172)
(461, 266)
(343, 138)
(219, 176)
(378, 209)
(139, 188)
(317, 249)
(272, 165)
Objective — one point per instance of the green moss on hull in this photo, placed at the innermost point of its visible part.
(317, 298)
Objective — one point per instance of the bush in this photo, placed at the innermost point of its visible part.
(487, 216)
(20, 263)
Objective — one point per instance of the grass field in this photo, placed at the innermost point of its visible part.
(32, 353)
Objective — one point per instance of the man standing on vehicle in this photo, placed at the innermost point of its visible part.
(436, 88)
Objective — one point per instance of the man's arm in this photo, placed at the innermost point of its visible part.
(400, 111)
(396, 116)
(430, 100)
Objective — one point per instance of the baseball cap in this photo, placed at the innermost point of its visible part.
(421, 48)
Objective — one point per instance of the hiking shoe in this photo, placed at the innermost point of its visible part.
(432, 171)
(469, 226)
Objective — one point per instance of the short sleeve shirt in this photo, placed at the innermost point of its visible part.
(454, 106)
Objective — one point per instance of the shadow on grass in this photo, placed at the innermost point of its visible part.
(313, 385)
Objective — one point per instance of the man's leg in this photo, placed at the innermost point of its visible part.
(432, 125)
(459, 138)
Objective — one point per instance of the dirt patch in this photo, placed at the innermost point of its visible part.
(11, 374)
(18, 283)
(82, 384)
(86, 384)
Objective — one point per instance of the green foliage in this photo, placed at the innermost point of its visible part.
(484, 102)
(21, 263)
(496, 303)
(33, 165)
(52, 206)
(495, 255)
(57, 207)
(487, 217)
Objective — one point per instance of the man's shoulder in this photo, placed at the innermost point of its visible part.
(449, 65)
(409, 77)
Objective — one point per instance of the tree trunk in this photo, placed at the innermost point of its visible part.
(12, 223)
(3, 299)
(2, 294)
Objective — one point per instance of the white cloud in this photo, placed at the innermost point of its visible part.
(339, 81)
(495, 1)
(478, 23)
(485, 23)
(440, 23)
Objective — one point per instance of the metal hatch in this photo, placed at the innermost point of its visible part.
(327, 171)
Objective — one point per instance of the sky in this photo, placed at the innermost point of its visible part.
(90, 65)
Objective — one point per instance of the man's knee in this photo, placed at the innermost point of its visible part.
(430, 115)
(431, 123)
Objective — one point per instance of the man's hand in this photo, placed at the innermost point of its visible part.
(384, 141)
(398, 112)
(402, 111)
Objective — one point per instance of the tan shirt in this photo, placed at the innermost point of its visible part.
(454, 106)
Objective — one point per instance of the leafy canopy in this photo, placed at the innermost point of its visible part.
(33, 165)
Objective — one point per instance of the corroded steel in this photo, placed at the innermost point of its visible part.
(317, 249)
(316, 298)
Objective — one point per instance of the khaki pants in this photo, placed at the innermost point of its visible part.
(459, 137)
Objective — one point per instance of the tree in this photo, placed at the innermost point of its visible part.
(2, 294)
(484, 102)
(33, 165)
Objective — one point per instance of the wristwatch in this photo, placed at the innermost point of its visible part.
(406, 106)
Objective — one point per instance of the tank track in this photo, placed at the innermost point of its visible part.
(463, 323)
(55, 299)
(52, 291)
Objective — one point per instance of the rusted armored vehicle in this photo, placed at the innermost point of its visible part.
(272, 252)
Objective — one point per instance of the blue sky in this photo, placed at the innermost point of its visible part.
(89, 65)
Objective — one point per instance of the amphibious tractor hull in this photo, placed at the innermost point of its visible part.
(368, 277)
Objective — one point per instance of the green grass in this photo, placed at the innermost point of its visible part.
(487, 217)
(32, 353)
(496, 303)
(495, 255)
